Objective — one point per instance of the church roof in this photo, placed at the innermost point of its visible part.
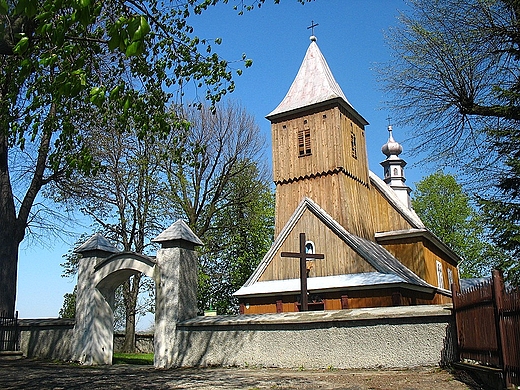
(388, 268)
(321, 283)
(408, 214)
(313, 84)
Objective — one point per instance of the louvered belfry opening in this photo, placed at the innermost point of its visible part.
(304, 142)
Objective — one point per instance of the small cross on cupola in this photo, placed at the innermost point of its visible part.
(394, 168)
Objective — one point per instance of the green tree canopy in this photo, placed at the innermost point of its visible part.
(455, 78)
(59, 59)
(446, 210)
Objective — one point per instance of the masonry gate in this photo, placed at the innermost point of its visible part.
(103, 268)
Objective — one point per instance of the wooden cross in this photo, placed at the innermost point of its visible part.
(303, 256)
(311, 27)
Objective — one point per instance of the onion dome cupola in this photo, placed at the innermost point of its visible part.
(394, 169)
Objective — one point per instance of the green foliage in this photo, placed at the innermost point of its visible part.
(232, 252)
(68, 310)
(62, 59)
(502, 210)
(446, 210)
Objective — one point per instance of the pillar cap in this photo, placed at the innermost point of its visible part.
(96, 243)
(178, 231)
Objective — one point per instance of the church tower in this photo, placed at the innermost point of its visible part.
(360, 244)
(319, 148)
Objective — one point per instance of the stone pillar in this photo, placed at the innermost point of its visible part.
(94, 328)
(176, 290)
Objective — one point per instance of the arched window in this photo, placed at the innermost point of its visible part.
(309, 247)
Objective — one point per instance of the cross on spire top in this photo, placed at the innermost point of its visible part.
(311, 27)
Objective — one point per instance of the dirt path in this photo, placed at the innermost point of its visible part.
(29, 374)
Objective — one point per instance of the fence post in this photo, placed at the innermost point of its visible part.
(455, 289)
(498, 304)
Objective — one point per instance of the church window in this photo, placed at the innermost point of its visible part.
(440, 277)
(450, 277)
(353, 144)
(304, 142)
(309, 247)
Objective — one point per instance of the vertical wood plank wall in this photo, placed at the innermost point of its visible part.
(339, 258)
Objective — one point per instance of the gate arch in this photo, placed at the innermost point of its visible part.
(117, 267)
(103, 268)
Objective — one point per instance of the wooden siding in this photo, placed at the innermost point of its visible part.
(342, 198)
(330, 143)
(355, 299)
(339, 259)
(421, 256)
(332, 175)
(385, 216)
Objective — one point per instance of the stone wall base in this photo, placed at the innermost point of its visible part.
(359, 338)
(47, 338)
(395, 337)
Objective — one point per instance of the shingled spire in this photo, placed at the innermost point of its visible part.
(314, 84)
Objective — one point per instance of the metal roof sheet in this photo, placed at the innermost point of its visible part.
(178, 231)
(319, 283)
(313, 84)
(97, 242)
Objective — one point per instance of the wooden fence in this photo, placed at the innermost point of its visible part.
(9, 332)
(488, 326)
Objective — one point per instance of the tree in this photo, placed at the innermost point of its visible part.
(216, 148)
(214, 174)
(232, 252)
(68, 310)
(456, 78)
(123, 199)
(446, 210)
(455, 72)
(135, 194)
(58, 59)
(502, 210)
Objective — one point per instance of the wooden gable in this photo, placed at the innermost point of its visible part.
(340, 258)
(424, 254)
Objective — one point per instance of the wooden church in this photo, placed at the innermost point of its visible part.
(344, 238)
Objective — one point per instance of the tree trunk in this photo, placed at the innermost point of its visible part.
(130, 294)
(10, 236)
(8, 270)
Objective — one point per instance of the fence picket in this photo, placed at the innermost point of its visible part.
(487, 317)
(9, 332)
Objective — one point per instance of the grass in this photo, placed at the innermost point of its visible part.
(133, 358)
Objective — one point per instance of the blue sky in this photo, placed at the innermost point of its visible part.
(351, 37)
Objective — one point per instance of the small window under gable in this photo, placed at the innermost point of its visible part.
(440, 276)
(304, 142)
(353, 143)
(309, 247)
